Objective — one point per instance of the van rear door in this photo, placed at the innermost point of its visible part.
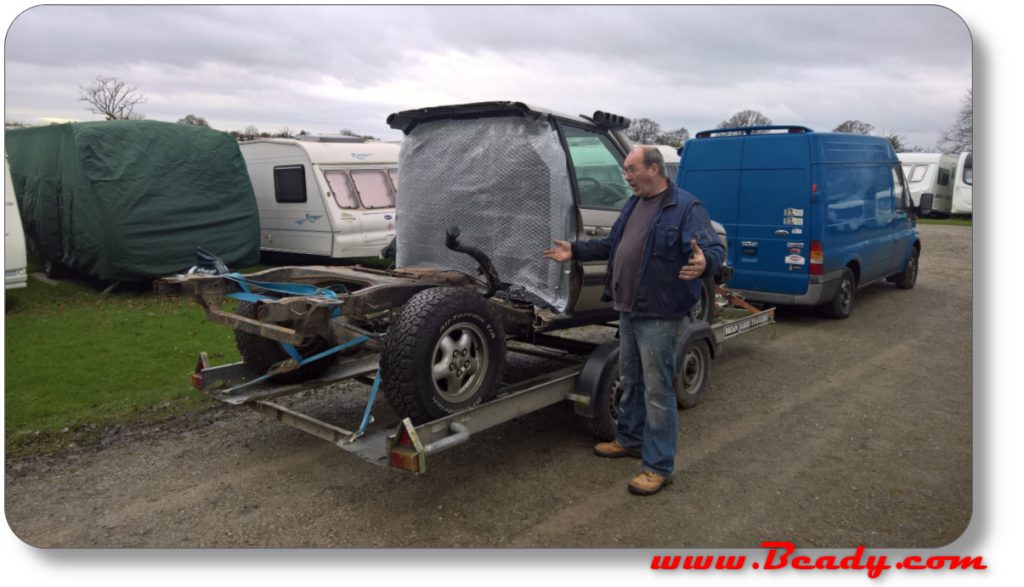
(774, 215)
(759, 188)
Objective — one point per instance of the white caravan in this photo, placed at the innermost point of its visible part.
(963, 186)
(930, 176)
(328, 197)
(15, 259)
(671, 156)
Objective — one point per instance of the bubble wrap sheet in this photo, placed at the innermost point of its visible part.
(504, 182)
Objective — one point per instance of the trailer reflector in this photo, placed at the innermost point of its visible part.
(406, 450)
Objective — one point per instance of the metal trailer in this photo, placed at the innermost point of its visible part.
(589, 381)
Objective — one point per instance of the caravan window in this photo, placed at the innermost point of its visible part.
(290, 184)
(393, 173)
(898, 191)
(340, 186)
(374, 189)
(915, 173)
(943, 176)
(969, 169)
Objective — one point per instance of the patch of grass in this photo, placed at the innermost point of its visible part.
(953, 221)
(78, 360)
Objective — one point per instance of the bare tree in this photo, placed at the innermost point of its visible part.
(112, 98)
(194, 120)
(855, 127)
(899, 142)
(960, 136)
(675, 138)
(643, 131)
(746, 118)
(284, 133)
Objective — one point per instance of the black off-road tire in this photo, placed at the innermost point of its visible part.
(260, 354)
(908, 277)
(443, 354)
(693, 371)
(841, 305)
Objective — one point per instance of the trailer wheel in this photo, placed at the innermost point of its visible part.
(705, 308)
(260, 354)
(605, 400)
(443, 354)
(842, 303)
(908, 277)
(693, 371)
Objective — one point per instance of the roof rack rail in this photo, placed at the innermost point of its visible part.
(749, 130)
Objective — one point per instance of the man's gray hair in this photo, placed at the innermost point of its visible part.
(652, 156)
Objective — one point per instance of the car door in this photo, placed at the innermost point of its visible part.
(601, 191)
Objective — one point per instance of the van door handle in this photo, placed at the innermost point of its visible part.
(781, 233)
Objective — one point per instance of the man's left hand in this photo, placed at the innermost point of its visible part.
(694, 268)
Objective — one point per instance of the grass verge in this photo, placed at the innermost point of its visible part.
(953, 221)
(78, 361)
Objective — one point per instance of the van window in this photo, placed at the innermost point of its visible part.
(943, 176)
(374, 189)
(344, 195)
(598, 168)
(898, 192)
(857, 194)
(290, 184)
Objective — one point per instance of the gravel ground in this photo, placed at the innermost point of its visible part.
(821, 432)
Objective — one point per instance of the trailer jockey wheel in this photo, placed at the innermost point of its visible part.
(445, 353)
(260, 354)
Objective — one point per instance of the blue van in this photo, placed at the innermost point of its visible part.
(811, 217)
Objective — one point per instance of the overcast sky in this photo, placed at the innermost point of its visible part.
(903, 69)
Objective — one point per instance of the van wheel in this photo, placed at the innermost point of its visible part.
(841, 305)
(260, 354)
(705, 307)
(908, 277)
(693, 372)
(444, 353)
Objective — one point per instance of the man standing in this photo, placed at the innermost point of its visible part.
(660, 247)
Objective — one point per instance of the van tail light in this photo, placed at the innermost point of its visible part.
(817, 258)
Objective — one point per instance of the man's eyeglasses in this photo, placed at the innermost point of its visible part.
(632, 170)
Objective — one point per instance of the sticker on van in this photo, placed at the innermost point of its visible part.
(789, 220)
(798, 212)
(795, 260)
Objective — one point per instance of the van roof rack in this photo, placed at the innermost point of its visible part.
(330, 139)
(749, 130)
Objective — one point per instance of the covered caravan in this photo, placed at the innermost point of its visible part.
(132, 199)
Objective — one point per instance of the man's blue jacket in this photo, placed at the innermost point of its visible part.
(661, 294)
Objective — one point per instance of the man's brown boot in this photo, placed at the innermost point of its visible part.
(614, 450)
(648, 483)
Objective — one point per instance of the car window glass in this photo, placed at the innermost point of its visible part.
(374, 189)
(598, 168)
(342, 190)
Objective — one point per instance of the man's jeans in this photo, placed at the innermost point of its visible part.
(647, 409)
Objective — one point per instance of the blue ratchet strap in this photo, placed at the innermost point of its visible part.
(351, 343)
(291, 289)
(367, 418)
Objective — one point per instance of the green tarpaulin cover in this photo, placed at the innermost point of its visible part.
(132, 199)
